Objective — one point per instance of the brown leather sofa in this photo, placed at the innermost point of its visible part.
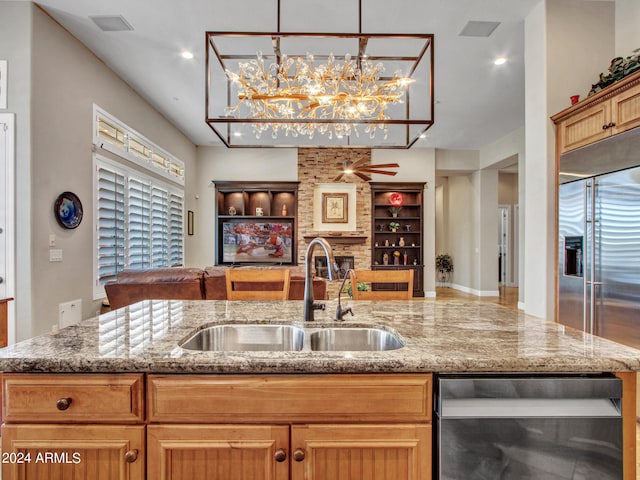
(188, 284)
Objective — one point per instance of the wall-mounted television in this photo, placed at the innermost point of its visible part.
(255, 241)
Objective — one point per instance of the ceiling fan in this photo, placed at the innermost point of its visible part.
(361, 168)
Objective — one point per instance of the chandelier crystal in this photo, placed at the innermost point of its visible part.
(319, 89)
(304, 92)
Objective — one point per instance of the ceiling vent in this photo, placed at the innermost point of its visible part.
(478, 29)
(111, 23)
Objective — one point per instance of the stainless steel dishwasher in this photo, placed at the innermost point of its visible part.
(528, 427)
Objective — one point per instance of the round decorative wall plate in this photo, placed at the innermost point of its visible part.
(68, 210)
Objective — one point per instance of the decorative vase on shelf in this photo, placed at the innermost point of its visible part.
(284, 210)
(232, 210)
(401, 242)
(385, 259)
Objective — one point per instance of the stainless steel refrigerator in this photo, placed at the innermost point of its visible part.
(599, 239)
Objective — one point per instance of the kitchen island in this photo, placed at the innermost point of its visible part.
(151, 409)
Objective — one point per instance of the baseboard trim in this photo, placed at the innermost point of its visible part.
(473, 291)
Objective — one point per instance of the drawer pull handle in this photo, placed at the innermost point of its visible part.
(280, 455)
(131, 456)
(298, 455)
(63, 403)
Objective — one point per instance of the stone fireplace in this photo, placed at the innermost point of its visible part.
(322, 165)
(344, 262)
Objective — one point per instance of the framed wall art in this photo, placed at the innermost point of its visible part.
(335, 207)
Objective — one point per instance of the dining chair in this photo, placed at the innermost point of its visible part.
(254, 284)
(383, 284)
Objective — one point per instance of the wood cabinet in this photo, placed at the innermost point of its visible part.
(243, 424)
(613, 110)
(73, 426)
(247, 212)
(218, 452)
(402, 248)
(217, 427)
(355, 452)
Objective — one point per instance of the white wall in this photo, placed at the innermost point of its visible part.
(462, 226)
(58, 93)
(627, 27)
(15, 47)
(498, 153)
(566, 44)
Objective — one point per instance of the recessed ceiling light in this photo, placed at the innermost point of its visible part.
(500, 61)
(187, 54)
(237, 134)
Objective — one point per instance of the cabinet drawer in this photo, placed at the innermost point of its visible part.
(71, 398)
(289, 398)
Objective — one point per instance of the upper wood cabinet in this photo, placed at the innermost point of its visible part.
(613, 110)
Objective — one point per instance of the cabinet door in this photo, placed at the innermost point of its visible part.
(80, 452)
(626, 110)
(218, 452)
(585, 127)
(361, 452)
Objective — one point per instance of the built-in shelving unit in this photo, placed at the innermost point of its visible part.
(247, 212)
(403, 248)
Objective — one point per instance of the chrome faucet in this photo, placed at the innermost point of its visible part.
(341, 312)
(309, 305)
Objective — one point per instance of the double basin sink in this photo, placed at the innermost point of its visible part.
(289, 338)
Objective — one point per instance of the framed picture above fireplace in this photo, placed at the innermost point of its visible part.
(335, 207)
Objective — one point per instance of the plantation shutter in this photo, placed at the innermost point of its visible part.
(110, 224)
(139, 255)
(176, 222)
(159, 227)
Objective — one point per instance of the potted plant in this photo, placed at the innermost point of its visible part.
(362, 287)
(619, 68)
(394, 226)
(394, 211)
(444, 266)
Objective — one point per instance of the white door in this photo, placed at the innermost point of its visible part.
(7, 219)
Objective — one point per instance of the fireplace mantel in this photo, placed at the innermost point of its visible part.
(338, 239)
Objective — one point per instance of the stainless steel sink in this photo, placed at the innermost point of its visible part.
(246, 337)
(354, 339)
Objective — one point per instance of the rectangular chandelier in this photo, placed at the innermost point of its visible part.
(317, 89)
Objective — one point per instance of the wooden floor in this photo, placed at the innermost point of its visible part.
(509, 299)
(508, 296)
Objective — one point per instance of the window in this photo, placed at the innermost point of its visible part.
(114, 136)
(139, 222)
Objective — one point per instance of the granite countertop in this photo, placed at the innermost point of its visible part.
(440, 337)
